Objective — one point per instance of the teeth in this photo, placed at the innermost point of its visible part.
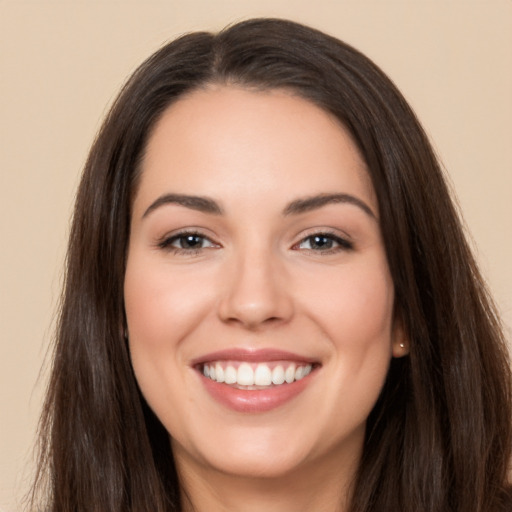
(278, 375)
(230, 375)
(262, 375)
(256, 375)
(219, 373)
(289, 374)
(245, 375)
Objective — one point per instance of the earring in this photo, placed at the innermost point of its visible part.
(402, 345)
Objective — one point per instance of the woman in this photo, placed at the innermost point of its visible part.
(269, 300)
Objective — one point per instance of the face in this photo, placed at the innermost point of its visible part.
(258, 296)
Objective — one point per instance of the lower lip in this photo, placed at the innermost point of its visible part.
(255, 400)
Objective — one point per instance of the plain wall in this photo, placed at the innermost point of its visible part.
(62, 62)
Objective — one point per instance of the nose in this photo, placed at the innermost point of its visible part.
(256, 292)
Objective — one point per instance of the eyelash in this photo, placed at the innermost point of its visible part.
(341, 244)
(166, 243)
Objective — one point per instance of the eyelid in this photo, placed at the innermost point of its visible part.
(343, 240)
(165, 242)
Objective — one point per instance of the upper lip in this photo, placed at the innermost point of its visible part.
(252, 355)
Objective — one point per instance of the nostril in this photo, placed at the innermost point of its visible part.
(254, 322)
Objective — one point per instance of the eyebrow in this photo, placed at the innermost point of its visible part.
(199, 203)
(314, 202)
(296, 207)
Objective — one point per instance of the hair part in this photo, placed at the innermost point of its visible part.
(439, 437)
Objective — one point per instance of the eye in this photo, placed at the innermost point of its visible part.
(187, 243)
(324, 242)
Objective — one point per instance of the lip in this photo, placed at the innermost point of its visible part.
(252, 356)
(254, 400)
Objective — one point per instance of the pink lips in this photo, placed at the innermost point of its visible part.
(253, 400)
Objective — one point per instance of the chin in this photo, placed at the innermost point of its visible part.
(271, 453)
(262, 452)
(253, 465)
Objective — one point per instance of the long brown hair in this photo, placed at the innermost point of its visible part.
(439, 437)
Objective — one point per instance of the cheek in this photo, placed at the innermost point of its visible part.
(359, 320)
(162, 309)
(354, 306)
(355, 311)
(163, 306)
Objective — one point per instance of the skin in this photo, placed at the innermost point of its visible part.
(255, 279)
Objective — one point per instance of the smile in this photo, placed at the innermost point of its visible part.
(256, 375)
(255, 381)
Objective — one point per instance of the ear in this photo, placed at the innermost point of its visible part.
(123, 328)
(400, 338)
(123, 331)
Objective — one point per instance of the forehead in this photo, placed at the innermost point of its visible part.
(226, 140)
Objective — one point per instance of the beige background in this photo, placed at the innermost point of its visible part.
(61, 63)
